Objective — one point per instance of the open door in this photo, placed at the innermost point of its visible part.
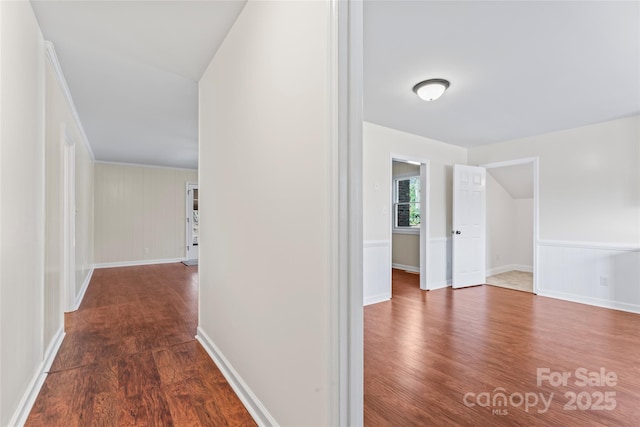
(469, 228)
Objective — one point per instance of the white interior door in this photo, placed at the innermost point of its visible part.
(469, 226)
(193, 222)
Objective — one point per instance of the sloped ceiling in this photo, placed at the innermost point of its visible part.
(517, 180)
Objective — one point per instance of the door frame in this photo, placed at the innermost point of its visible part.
(424, 211)
(536, 204)
(345, 19)
(189, 208)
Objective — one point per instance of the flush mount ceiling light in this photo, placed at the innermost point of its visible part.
(432, 89)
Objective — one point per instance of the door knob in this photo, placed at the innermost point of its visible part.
(456, 232)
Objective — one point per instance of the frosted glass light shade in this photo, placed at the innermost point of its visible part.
(430, 90)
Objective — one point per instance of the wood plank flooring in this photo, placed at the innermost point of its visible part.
(129, 357)
(425, 351)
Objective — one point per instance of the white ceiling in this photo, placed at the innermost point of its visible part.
(132, 68)
(517, 180)
(516, 68)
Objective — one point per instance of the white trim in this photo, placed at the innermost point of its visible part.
(375, 243)
(57, 71)
(255, 407)
(189, 226)
(406, 267)
(139, 165)
(139, 262)
(589, 245)
(404, 176)
(35, 385)
(346, 263)
(374, 299)
(83, 289)
(52, 350)
(440, 239)
(337, 326)
(513, 162)
(632, 308)
(523, 268)
(509, 267)
(407, 230)
(440, 285)
(498, 270)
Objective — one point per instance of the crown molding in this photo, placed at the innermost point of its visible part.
(57, 70)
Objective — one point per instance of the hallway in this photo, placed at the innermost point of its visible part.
(129, 357)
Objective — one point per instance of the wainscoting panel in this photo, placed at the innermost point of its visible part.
(377, 271)
(439, 274)
(596, 274)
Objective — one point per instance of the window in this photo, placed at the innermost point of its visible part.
(406, 203)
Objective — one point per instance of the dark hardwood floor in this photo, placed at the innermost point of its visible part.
(425, 351)
(129, 357)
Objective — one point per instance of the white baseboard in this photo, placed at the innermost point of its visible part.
(374, 299)
(631, 308)
(406, 267)
(83, 290)
(439, 285)
(522, 267)
(139, 262)
(35, 385)
(257, 410)
(510, 267)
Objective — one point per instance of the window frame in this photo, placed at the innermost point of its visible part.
(394, 203)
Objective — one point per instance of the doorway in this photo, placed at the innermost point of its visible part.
(512, 224)
(193, 225)
(409, 217)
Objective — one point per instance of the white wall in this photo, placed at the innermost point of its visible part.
(84, 216)
(59, 113)
(509, 230)
(523, 234)
(265, 177)
(22, 198)
(500, 228)
(139, 213)
(589, 180)
(589, 213)
(378, 144)
(405, 250)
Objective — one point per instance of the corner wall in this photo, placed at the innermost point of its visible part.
(266, 176)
